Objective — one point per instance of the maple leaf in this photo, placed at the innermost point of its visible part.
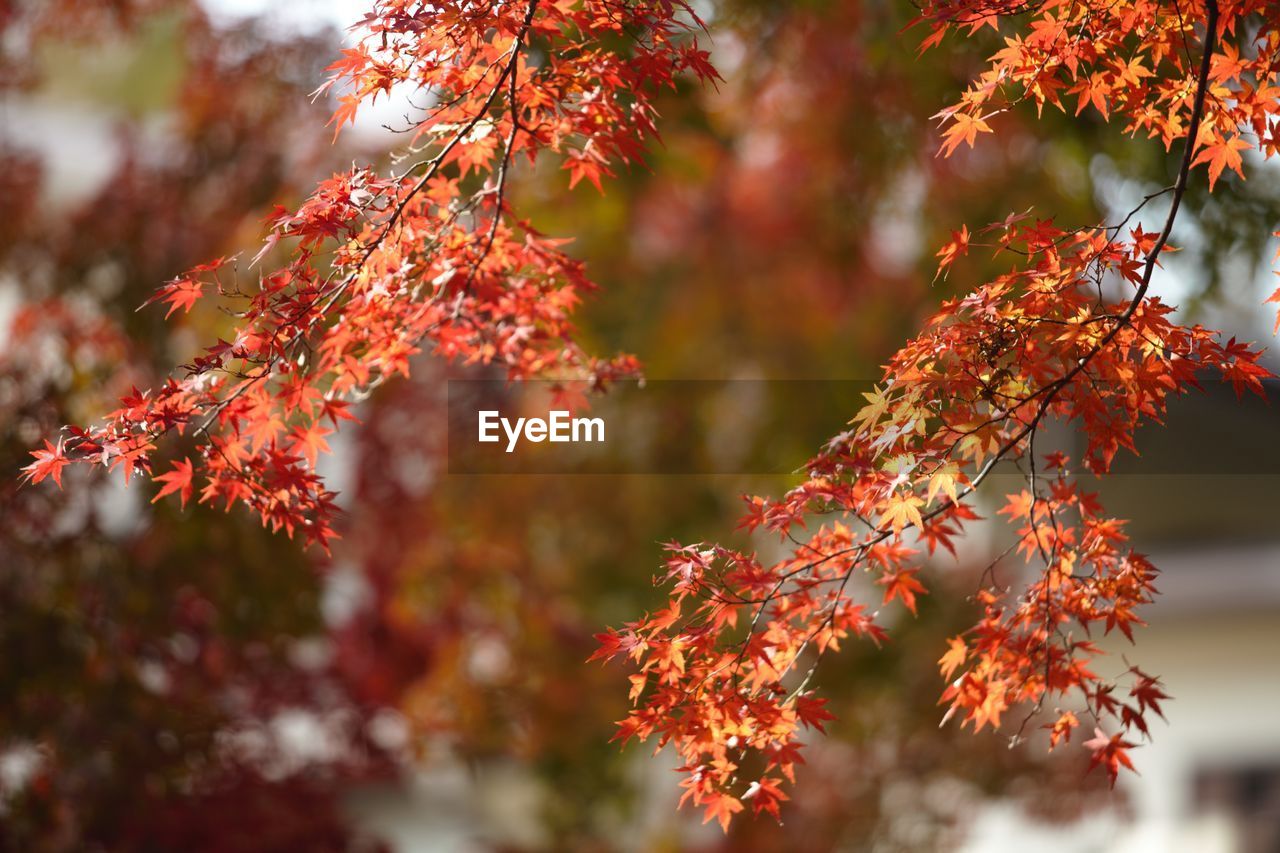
(766, 795)
(49, 463)
(958, 247)
(722, 808)
(1275, 297)
(309, 440)
(1228, 64)
(964, 128)
(878, 403)
(903, 585)
(181, 293)
(1223, 154)
(614, 643)
(348, 109)
(944, 479)
(1017, 505)
(337, 410)
(477, 153)
(1147, 692)
(1060, 730)
(938, 532)
(992, 701)
(262, 431)
(901, 510)
(812, 711)
(177, 480)
(585, 164)
(1109, 752)
(954, 658)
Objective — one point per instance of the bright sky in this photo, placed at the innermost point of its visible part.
(300, 14)
(310, 15)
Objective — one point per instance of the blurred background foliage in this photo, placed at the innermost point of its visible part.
(185, 680)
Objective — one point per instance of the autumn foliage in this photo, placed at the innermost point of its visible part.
(373, 268)
(724, 673)
(379, 266)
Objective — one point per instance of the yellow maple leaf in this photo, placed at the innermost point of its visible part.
(901, 510)
(944, 479)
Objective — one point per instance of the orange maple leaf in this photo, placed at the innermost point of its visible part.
(957, 248)
(901, 510)
(902, 585)
(723, 807)
(964, 128)
(957, 651)
(1221, 155)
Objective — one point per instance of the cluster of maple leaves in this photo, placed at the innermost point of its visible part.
(723, 673)
(380, 266)
(1137, 61)
(724, 670)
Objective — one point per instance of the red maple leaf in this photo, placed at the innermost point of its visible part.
(49, 463)
(179, 480)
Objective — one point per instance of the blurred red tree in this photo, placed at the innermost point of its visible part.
(149, 667)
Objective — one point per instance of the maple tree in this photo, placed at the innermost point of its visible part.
(378, 266)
